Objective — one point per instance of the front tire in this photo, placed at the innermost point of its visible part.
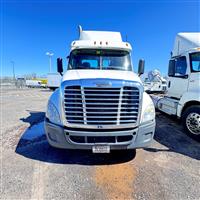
(52, 88)
(191, 121)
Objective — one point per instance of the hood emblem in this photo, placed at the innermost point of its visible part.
(103, 84)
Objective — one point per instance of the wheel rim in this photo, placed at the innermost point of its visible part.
(193, 123)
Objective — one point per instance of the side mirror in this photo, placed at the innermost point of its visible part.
(141, 67)
(171, 68)
(59, 66)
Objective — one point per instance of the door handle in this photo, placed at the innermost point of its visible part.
(169, 84)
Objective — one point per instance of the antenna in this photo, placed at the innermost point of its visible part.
(126, 38)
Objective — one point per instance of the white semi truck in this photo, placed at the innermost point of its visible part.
(155, 83)
(183, 92)
(101, 104)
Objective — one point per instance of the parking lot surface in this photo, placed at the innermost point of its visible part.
(31, 169)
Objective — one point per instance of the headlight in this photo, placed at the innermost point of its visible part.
(52, 113)
(149, 113)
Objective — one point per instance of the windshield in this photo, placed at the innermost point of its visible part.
(100, 59)
(195, 61)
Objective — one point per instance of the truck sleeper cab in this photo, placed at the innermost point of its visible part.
(100, 104)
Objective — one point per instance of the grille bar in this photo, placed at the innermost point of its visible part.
(110, 117)
(74, 103)
(105, 108)
(84, 107)
(76, 112)
(99, 99)
(119, 106)
(105, 121)
(94, 94)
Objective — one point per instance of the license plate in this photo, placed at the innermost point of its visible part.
(101, 149)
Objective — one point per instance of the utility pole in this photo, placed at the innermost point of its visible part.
(13, 66)
(50, 63)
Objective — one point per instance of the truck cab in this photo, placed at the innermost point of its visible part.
(101, 104)
(184, 66)
(183, 93)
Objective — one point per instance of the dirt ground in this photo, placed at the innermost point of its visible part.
(31, 169)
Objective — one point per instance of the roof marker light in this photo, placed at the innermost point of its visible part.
(106, 43)
(95, 42)
(101, 42)
(127, 44)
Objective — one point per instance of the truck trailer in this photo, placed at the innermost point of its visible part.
(33, 83)
(101, 104)
(183, 93)
(53, 80)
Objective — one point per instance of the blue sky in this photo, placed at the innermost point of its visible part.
(31, 28)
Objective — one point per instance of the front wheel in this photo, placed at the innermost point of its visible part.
(191, 121)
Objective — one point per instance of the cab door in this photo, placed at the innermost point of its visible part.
(178, 77)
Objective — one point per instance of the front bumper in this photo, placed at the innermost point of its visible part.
(67, 138)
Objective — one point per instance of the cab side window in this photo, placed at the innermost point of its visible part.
(195, 61)
(180, 66)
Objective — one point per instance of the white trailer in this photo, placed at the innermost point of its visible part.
(183, 92)
(33, 83)
(53, 80)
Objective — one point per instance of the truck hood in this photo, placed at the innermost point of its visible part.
(105, 74)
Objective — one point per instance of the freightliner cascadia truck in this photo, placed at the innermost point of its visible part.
(183, 93)
(101, 104)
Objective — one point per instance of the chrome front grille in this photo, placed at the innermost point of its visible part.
(101, 106)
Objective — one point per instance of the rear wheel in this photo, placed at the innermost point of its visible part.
(191, 121)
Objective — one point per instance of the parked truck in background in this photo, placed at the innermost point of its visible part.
(36, 83)
(155, 83)
(33, 83)
(101, 104)
(183, 92)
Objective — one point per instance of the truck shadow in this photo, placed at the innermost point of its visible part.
(34, 117)
(46, 90)
(42, 151)
(34, 145)
(171, 134)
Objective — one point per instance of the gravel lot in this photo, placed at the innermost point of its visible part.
(31, 169)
